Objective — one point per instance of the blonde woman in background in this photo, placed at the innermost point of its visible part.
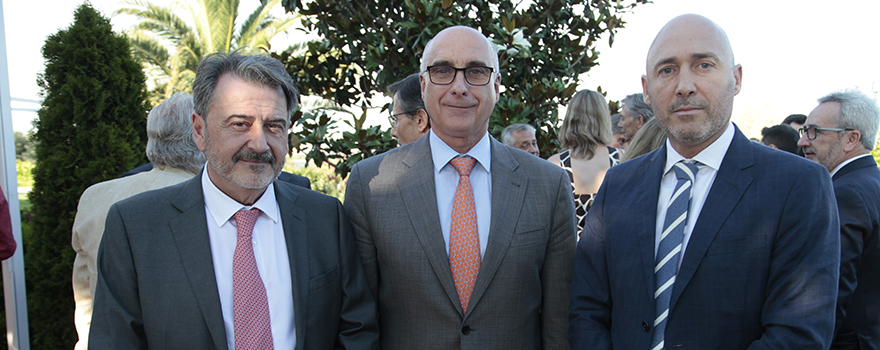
(650, 137)
(584, 136)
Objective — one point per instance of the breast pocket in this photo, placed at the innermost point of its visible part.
(324, 279)
(738, 245)
(529, 236)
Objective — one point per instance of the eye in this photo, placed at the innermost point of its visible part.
(442, 70)
(477, 71)
(666, 70)
(705, 65)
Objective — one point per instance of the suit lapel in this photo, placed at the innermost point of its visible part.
(190, 232)
(508, 195)
(646, 230)
(416, 185)
(298, 255)
(728, 188)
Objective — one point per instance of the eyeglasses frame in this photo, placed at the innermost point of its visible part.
(431, 78)
(805, 131)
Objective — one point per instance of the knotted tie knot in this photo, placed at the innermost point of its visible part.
(685, 170)
(245, 220)
(463, 164)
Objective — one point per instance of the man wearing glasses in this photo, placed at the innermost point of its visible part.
(840, 134)
(409, 120)
(467, 243)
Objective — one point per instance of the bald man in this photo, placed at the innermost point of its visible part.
(740, 244)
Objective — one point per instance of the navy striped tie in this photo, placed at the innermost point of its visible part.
(669, 251)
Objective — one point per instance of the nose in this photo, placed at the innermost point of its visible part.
(258, 141)
(394, 132)
(459, 85)
(804, 141)
(620, 123)
(533, 149)
(686, 85)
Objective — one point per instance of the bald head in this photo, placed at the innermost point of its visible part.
(690, 81)
(456, 34)
(694, 31)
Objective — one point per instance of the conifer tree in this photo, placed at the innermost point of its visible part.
(91, 128)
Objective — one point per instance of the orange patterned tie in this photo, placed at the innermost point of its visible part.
(464, 241)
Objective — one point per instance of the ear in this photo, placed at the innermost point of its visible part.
(199, 136)
(497, 86)
(422, 120)
(641, 119)
(738, 76)
(645, 95)
(852, 141)
(771, 146)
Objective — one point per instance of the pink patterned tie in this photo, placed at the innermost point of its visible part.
(464, 241)
(250, 305)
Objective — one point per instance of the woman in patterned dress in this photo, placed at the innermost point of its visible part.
(584, 136)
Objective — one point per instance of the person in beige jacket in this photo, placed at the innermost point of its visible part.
(175, 158)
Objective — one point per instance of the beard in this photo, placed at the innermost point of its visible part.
(253, 176)
(691, 131)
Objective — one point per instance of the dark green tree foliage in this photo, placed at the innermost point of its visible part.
(368, 44)
(91, 128)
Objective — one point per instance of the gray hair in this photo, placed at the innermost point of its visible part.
(170, 135)
(507, 133)
(259, 69)
(858, 112)
(615, 119)
(429, 48)
(409, 94)
(635, 105)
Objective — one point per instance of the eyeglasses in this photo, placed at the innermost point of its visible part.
(393, 119)
(476, 75)
(813, 131)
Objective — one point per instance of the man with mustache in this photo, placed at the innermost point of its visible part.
(233, 258)
(740, 243)
(839, 134)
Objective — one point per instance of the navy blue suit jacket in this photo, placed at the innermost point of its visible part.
(857, 188)
(760, 270)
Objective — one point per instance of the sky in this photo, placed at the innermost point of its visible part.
(792, 52)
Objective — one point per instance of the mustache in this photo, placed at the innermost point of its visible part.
(265, 157)
(686, 102)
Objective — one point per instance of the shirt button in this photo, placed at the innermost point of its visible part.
(645, 326)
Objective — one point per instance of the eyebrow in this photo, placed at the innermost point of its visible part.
(694, 57)
(469, 64)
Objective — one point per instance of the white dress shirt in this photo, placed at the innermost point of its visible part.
(446, 180)
(270, 251)
(711, 158)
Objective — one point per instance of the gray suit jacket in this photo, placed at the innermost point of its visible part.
(156, 286)
(520, 297)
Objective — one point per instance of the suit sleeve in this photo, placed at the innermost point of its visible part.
(355, 208)
(557, 270)
(854, 226)
(82, 293)
(590, 310)
(117, 321)
(801, 293)
(358, 328)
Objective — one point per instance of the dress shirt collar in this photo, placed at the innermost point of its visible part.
(711, 156)
(442, 153)
(836, 169)
(222, 207)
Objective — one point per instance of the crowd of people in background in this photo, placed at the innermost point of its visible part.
(660, 227)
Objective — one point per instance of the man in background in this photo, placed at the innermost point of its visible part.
(840, 134)
(618, 138)
(633, 114)
(781, 137)
(520, 136)
(175, 157)
(796, 121)
(409, 119)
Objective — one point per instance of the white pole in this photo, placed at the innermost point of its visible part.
(13, 268)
